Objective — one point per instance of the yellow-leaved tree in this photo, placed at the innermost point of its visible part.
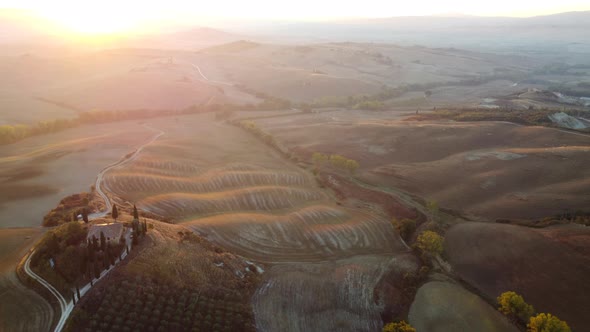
(398, 327)
(547, 323)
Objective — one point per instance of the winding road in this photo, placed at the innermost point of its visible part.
(123, 161)
(207, 79)
(67, 306)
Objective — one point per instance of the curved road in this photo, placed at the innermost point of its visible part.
(123, 161)
(66, 308)
(207, 79)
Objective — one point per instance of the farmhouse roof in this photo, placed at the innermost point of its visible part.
(111, 231)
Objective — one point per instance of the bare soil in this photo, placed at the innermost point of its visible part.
(486, 169)
(39, 171)
(227, 186)
(546, 266)
(442, 306)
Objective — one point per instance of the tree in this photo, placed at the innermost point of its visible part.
(103, 242)
(547, 323)
(144, 229)
(134, 239)
(90, 251)
(514, 307)
(430, 242)
(52, 245)
(135, 213)
(114, 212)
(83, 262)
(352, 165)
(432, 207)
(96, 270)
(405, 227)
(319, 159)
(95, 246)
(398, 327)
(74, 216)
(85, 215)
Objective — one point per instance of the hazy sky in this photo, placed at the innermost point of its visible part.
(114, 15)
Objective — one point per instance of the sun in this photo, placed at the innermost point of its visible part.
(93, 18)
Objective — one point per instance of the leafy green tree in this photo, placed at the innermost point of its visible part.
(114, 212)
(135, 213)
(514, 307)
(398, 327)
(547, 323)
(430, 242)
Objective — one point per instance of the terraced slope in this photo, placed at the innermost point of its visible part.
(226, 185)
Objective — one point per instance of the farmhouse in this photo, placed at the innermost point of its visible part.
(112, 232)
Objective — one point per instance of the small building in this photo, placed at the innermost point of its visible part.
(112, 232)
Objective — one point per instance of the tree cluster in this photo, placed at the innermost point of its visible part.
(518, 311)
(336, 161)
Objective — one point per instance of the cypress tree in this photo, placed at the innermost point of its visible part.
(135, 213)
(110, 255)
(74, 297)
(105, 261)
(94, 243)
(85, 215)
(78, 291)
(83, 263)
(114, 212)
(96, 270)
(144, 227)
(103, 242)
(90, 251)
(134, 238)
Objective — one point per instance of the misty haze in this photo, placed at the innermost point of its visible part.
(295, 166)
